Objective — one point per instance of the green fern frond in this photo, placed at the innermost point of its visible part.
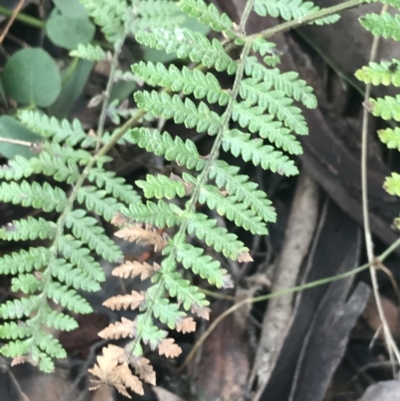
(390, 137)
(228, 177)
(68, 298)
(258, 121)
(30, 228)
(263, 47)
(161, 186)
(181, 111)
(173, 149)
(160, 214)
(189, 44)
(387, 108)
(89, 52)
(186, 80)
(71, 134)
(39, 196)
(86, 229)
(392, 184)
(386, 25)
(287, 82)
(290, 9)
(383, 73)
(207, 268)
(276, 102)
(24, 260)
(209, 15)
(267, 156)
(79, 255)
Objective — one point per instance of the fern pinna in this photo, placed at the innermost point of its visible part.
(385, 73)
(79, 188)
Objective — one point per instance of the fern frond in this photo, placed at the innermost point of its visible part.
(68, 298)
(163, 309)
(26, 283)
(392, 184)
(258, 121)
(287, 82)
(189, 44)
(59, 321)
(74, 277)
(390, 137)
(185, 112)
(218, 237)
(227, 177)
(263, 46)
(276, 102)
(386, 25)
(387, 108)
(97, 201)
(188, 81)
(24, 261)
(173, 149)
(86, 229)
(89, 52)
(29, 228)
(59, 131)
(193, 258)
(114, 185)
(160, 214)
(161, 186)
(239, 143)
(39, 196)
(383, 73)
(209, 15)
(290, 9)
(79, 255)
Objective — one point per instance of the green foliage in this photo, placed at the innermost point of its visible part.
(290, 9)
(385, 73)
(58, 272)
(40, 86)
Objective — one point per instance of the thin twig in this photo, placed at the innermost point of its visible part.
(17, 142)
(11, 20)
(391, 344)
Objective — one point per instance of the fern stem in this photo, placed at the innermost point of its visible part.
(245, 16)
(107, 93)
(35, 22)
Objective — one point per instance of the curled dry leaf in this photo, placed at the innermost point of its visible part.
(119, 220)
(123, 329)
(132, 301)
(112, 369)
(168, 348)
(186, 325)
(145, 236)
(132, 269)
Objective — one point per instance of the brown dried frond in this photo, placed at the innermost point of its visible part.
(112, 369)
(168, 348)
(132, 269)
(201, 311)
(244, 257)
(186, 325)
(119, 220)
(132, 301)
(23, 359)
(123, 329)
(143, 369)
(145, 236)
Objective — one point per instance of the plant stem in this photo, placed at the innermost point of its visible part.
(35, 22)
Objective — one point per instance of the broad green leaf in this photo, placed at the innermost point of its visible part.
(31, 77)
(71, 8)
(68, 32)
